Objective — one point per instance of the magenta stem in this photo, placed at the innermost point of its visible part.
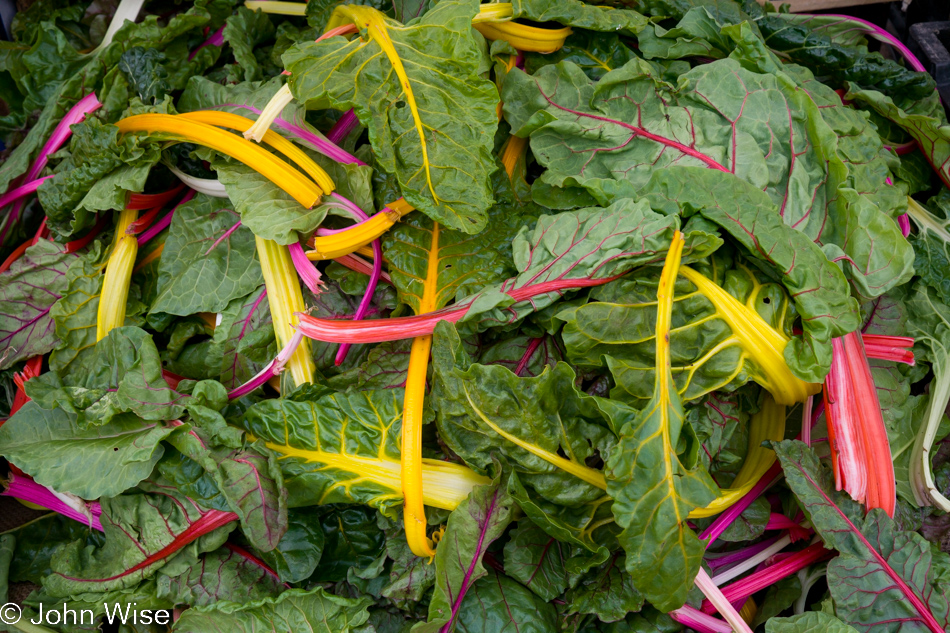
(528, 353)
(342, 128)
(216, 39)
(699, 621)
(162, 224)
(272, 369)
(24, 488)
(882, 35)
(306, 270)
(21, 191)
(374, 276)
(715, 562)
(903, 221)
(724, 520)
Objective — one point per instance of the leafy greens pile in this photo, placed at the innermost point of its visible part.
(446, 316)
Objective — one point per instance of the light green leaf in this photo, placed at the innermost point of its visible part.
(405, 82)
(292, 611)
(205, 264)
(811, 622)
(223, 574)
(91, 462)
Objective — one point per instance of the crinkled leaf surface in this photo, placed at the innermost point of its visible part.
(205, 265)
(497, 603)
(606, 592)
(444, 151)
(619, 327)
(931, 243)
(124, 374)
(300, 548)
(244, 31)
(538, 560)
(811, 622)
(240, 319)
(292, 611)
(543, 426)
(882, 575)
(138, 527)
(580, 14)
(223, 574)
(477, 522)
(28, 289)
(88, 461)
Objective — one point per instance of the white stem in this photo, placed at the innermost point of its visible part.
(753, 562)
(127, 10)
(207, 186)
(725, 608)
(271, 111)
(808, 580)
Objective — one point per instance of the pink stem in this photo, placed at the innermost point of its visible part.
(903, 221)
(724, 520)
(806, 419)
(216, 39)
(272, 369)
(342, 128)
(24, 488)
(528, 353)
(162, 224)
(882, 35)
(306, 270)
(358, 264)
(699, 621)
(374, 276)
(21, 191)
(716, 561)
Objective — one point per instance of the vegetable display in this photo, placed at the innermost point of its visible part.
(435, 316)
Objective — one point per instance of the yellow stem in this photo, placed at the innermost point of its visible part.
(764, 343)
(348, 241)
(524, 37)
(115, 287)
(275, 140)
(279, 8)
(285, 299)
(301, 188)
(513, 152)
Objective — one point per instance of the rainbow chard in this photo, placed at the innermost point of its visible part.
(883, 575)
(653, 490)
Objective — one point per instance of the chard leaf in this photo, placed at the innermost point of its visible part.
(266, 209)
(160, 529)
(123, 374)
(596, 53)
(404, 83)
(538, 561)
(228, 573)
(344, 448)
(580, 14)
(300, 548)
(606, 592)
(291, 611)
(385, 367)
(28, 290)
(497, 603)
(818, 287)
(89, 461)
(38, 541)
(463, 263)
(929, 129)
(883, 575)
(932, 242)
(240, 320)
(706, 353)
(653, 491)
(76, 312)
(566, 249)
(811, 622)
(929, 324)
(543, 426)
(250, 480)
(471, 529)
(207, 262)
(244, 31)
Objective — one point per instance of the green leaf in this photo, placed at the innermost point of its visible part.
(39, 540)
(224, 574)
(7, 548)
(245, 31)
(932, 242)
(353, 541)
(595, 53)
(619, 327)
(543, 426)
(205, 265)
(463, 263)
(496, 603)
(472, 528)
(292, 611)
(344, 448)
(779, 597)
(300, 548)
(410, 576)
(606, 592)
(266, 209)
(580, 14)
(76, 312)
(818, 287)
(88, 461)
(811, 622)
(404, 83)
(123, 374)
(240, 319)
(653, 490)
(28, 290)
(584, 245)
(538, 561)
(882, 575)
(140, 538)
(145, 70)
